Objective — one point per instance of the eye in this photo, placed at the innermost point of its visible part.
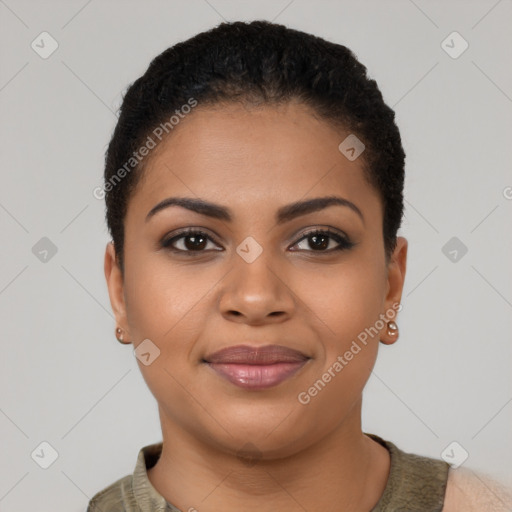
(320, 240)
(190, 241)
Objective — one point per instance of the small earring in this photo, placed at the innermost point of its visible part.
(392, 328)
(119, 335)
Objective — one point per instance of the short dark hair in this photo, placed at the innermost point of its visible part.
(257, 63)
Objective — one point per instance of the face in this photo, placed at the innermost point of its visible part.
(259, 272)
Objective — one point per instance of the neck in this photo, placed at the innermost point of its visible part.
(345, 470)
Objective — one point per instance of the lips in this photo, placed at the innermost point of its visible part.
(256, 368)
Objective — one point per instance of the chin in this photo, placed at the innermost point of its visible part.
(266, 432)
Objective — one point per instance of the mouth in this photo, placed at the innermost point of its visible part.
(256, 368)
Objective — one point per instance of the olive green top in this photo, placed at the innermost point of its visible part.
(415, 484)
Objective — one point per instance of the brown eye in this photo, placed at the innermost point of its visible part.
(323, 241)
(188, 242)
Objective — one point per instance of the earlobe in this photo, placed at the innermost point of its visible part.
(115, 287)
(392, 333)
(396, 277)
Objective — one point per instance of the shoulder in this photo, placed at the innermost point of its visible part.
(415, 482)
(114, 498)
(471, 491)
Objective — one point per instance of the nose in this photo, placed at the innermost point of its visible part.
(257, 293)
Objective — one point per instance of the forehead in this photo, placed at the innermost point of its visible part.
(256, 156)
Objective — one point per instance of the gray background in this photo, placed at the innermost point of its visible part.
(64, 377)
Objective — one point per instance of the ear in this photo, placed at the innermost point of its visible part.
(115, 286)
(396, 276)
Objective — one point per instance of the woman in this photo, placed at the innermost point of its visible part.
(254, 192)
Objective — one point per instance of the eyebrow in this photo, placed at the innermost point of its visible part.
(284, 214)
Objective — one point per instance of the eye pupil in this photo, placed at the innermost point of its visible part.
(200, 242)
(322, 245)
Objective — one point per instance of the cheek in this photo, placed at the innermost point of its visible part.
(336, 391)
(348, 303)
(164, 305)
(349, 307)
(343, 300)
(167, 304)
(163, 299)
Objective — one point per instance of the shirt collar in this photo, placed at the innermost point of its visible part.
(147, 497)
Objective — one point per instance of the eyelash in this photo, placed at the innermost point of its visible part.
(344, 243)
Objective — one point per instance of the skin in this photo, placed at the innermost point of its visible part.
(254, 161)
